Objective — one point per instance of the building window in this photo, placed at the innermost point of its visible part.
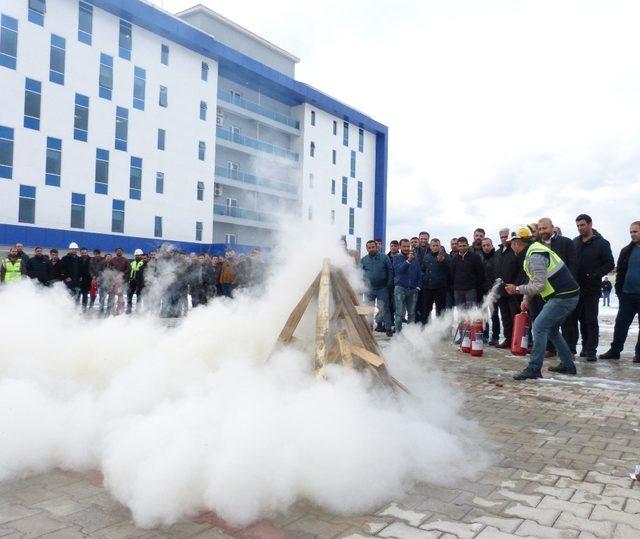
(198, 230)
(54, 162)
(202, 150)
(310, 213)
(359, 194)
(353, 164)
(27, 204)
(361, 140)
(135, 178)
(164, 55)
(160, 182)
(311, 181)
(200, 191)
(139, 87)
(8, 41)
(204, 71)
(163, 100)
(124, 42)
(230, 239)
(345, 133)
(359, 245)
(102, 172)
(203, 110)
(117, 216)
(37, 9)
(334, 157)
(312, 149)
(77, 210)
(161, 138)
(56, 59)
(85, 22)
(352, 218)
(333, 217)
(81, 118)
(157, 226)
(333, 187)
(313, 117)
(234, 169)
(6, 152)
(335, 127)
(122, 128)
(345, 187)
(32, 100)
(105, 80)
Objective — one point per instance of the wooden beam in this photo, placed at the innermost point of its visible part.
(322, 319)
(298, 312)
(345, 348)
(369, 357)
(365, 310)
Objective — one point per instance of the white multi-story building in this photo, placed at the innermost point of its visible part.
(124, 125)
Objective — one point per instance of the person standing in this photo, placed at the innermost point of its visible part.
(21, 254)
(13, 267)
(478, 236)
(378, 276)
(420, 251)
(228, 273)
(606, 288)
(121, 268)
(407, 281)
(135, 280)
(467, 274)
(595, 260)
(96, 269)
(490, 265)
(436, 270)
(70, 270)
(37, 266)
(549, 277)
(507, 270)
(628, 292)
(394, 249)
(54, 268)
(85, 277)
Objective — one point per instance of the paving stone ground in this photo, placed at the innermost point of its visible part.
(564, 448)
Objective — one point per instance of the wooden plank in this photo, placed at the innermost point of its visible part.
(297, 313)
(334, 354)
(345, 348)
(369, 357)
(364, 310)
(322, 319)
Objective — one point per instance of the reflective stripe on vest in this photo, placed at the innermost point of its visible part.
(12, 269)
(135, 266)
(560, 282)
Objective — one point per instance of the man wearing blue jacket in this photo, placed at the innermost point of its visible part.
(378, 276)
(407, 280)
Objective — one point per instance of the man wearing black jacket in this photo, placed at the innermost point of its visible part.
(37, 266)
(70, 270)
(595, 260)
(628, 292)
(467, 274)
(490, 264)
(507, 269)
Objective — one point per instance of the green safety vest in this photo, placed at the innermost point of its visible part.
(135, 266)
(12, 269)
(560, 282)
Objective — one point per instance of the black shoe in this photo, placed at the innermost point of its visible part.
(591, 358)
(561, 369)
(636, 359)
(609, 354)
(582, 354)
(379, 328)
(527, 374)
(389, 333)
(493, 343)
(504, 345)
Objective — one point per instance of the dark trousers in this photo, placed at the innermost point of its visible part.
(627, 311)
(437, 297)
(586, 317)
(392, 303)
(227, 290)
(133, 289)
(493, 329)
(509, 306)
(420, 315)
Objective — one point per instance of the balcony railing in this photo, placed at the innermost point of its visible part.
(256, 144)
(226, 172)
(242, 213)
(259, 109)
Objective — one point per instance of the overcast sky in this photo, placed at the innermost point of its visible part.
(499, 111)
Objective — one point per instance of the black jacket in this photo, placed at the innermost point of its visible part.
(566, 250)
(507, 266)
(435, 274)
(37, 268)
(71, 268)
(467, 273)
(622, 266)
(54, 271)
(595, 260)
(490, 264)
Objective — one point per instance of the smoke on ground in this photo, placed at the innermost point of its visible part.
(193, 418)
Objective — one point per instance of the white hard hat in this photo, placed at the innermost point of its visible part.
(138, 252)
(73, 245)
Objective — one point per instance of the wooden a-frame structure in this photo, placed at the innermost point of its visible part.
(342, 332)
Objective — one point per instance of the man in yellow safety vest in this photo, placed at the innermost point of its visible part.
(13, 267)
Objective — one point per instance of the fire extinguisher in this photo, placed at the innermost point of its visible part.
(465, 344)
(93, 289)
(477, 338)
(520, 335)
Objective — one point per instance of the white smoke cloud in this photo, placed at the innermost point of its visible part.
(192, 418)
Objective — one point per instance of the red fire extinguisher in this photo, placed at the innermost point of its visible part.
(93, 289)
(477, 338)
(520, 335)
(465, 344)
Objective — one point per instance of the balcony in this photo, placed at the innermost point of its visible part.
(268, 220)
(250, 179)
(259, 145)
(258, 109)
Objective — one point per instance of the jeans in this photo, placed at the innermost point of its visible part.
(429, 297)
(586, 314)
(404, 298)
(382, 295)
(546, 326)
(629, 308)
(605, 299)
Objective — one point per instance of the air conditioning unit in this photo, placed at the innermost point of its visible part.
(217, 190)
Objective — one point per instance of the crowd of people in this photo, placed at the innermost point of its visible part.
(540, 270)
(160, 281)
